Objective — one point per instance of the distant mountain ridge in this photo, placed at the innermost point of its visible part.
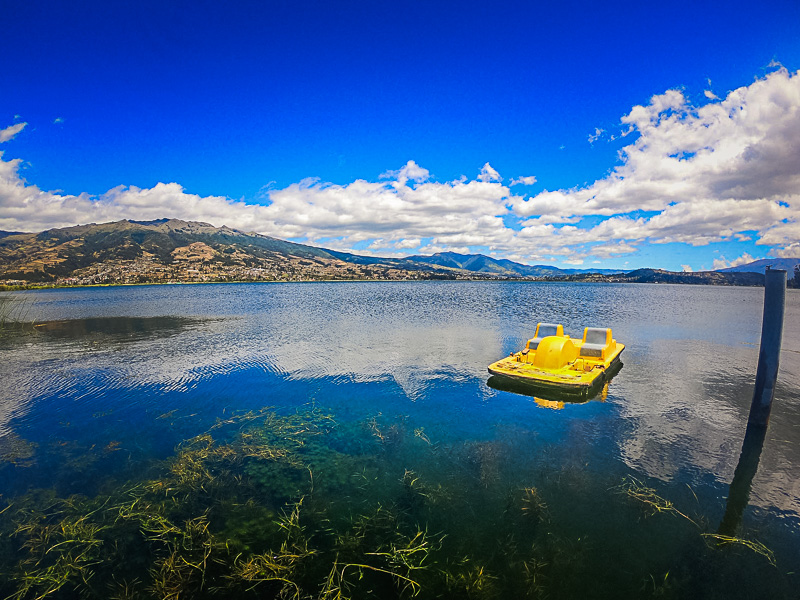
(164, 233)
(173, 250)
(480, 263)
(759, 266)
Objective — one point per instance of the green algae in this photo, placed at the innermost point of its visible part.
(271, 505)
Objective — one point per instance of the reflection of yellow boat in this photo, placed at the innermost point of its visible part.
(552, 360)
(551, 397)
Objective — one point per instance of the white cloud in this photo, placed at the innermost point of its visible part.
(708, 172)
(722, 263)
(790, 251)
(401, 215)
(28, 208)
(9, 132)
(728, 170)
(411, 171)
(408, 244)
(529, 180)
(598, 133)
(435, 249)
(744, 259)
(365, 210)
(489, 174)
(719, 263)
(708, 93)
(613, 249)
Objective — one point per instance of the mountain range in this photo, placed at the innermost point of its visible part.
(172, 250)
(479, 263)
(759, 266)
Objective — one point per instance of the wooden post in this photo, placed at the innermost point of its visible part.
(770, 350)
(766, 376)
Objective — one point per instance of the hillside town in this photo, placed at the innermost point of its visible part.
(198, 262)
(174, 251)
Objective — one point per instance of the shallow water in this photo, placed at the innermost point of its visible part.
(111, 380)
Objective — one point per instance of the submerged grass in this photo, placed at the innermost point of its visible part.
(649, 500)
(298, 506)
(753, 545)
(654, 504)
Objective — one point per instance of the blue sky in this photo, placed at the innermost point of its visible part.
(400, 128)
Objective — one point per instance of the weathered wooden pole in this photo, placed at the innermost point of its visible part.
(766, 376)
(770, 351)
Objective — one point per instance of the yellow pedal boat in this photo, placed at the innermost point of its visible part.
(556, 361)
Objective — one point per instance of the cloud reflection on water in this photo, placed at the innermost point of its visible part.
(676, 412)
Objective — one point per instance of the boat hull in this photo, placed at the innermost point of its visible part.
(569, 379)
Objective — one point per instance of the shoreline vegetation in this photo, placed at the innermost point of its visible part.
(656, 276)
(169, 251)
(653, 276)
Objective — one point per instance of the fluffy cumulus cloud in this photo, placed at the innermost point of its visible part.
(25, 207)
(387, 217)
(391, 215)
(704, 174)
(790, 251)
(722, 263)
(489, 174)
(728, 170)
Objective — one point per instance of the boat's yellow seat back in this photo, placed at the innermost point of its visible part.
(596, 342)
(544, 330)
(555, 352)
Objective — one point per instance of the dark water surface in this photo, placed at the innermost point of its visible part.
(375, 460)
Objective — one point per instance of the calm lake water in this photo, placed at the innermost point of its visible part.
(391, 463)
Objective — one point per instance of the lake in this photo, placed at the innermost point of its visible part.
(340, 440)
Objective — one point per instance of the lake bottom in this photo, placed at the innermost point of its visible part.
(301, 503)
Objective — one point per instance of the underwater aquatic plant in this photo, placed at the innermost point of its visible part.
(277, 567)
(473, 582)
(17, 451)
(652, 502)
(179, 525)
(400, 560)
(532, 505)
(755, 546)
(124, 590)
(264, 505)
(417, 494)
(167, 520)
(59, 548)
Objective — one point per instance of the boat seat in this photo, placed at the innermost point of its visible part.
(595, 342)
(544, 330)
